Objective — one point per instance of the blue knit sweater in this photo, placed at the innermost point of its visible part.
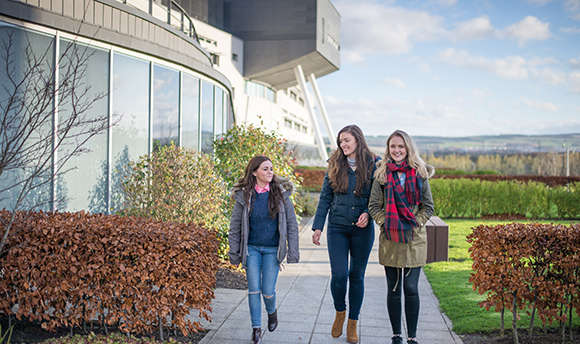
(263, 228)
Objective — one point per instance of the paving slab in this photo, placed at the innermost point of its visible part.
(306, 311)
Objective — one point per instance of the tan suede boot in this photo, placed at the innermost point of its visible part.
(351, 335)
(338, 324)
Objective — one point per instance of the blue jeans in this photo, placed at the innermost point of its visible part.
(345, 241)
(262, 272)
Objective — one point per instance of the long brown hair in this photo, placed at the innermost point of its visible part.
(248, 182)
(338, 165)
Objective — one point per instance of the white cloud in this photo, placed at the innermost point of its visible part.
(575, 63)
(543, 106)
(572, 5)
(540, 61)
(370, 27)
(475, 28)
(570, 29)
(479, 93)
(574, 81)
(446, 2)
(548, 75)
(511, 67)
(573, 8)
(529, 28)
(395, 82)
(539, 2)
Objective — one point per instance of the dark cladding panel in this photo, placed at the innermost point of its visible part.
(281, 33)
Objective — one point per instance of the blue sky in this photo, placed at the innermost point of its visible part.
(457, 67)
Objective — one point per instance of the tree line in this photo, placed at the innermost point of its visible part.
(540, 164)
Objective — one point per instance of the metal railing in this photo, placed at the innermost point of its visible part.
(169, 12)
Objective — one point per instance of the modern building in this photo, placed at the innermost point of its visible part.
(172, 70)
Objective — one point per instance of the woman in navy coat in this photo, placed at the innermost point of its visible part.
(350, 232)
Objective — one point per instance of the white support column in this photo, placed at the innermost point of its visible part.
(302, 82)
(312, 80)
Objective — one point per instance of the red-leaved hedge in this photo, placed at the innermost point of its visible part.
(312, 178)
(528, 266)
(65, 269)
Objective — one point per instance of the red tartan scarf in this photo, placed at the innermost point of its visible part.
(399, 218)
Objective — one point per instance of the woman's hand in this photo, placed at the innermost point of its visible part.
(363, 220)
(316, 237)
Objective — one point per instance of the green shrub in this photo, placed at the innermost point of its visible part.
(234, 149)
(485, 172)
(178, 185)
(475, 198)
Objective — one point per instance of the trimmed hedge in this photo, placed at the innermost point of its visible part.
(548, 180)
(528, 266)
(312, 177)
(65, 269)
(474, 198)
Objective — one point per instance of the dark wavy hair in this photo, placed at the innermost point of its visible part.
(248, 182)
(338, 165)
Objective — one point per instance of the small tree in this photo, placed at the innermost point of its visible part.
(31, 134)
(234, 149)
(178, 185)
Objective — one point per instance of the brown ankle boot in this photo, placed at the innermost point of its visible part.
(338, 324)
(351, 335)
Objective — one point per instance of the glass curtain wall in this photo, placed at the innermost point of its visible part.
(89, 181)
(26, 57)
(83, 101)
(207, 116)
(190, 112)
(165, 106)
(129, 119)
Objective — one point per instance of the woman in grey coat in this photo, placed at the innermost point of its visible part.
(263, 232)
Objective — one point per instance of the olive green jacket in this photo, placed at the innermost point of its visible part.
(395, 254)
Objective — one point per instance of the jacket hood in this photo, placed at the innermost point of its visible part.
(286, 186)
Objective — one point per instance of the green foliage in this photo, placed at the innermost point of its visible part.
(234, 149)
(178, 185)
(475, 198)
(485, 172)
(241, 143)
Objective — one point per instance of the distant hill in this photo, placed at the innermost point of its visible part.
(486, 144)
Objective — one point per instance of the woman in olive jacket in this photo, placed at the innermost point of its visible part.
(401, 204)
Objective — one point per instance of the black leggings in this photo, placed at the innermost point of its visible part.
(409, 277)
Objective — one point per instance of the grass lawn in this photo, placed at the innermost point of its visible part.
(450, 282)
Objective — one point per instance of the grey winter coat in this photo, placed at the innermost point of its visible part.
(287, 227)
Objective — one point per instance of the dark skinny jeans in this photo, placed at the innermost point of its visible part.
(409, 278)
(345, 241)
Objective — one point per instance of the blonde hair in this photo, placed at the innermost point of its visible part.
(413, 158)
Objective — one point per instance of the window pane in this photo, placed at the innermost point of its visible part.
(207, 117)
(190, 109)
(130, 118)
(165, 105)
(16, 44)
(85, 184)
(219, 111)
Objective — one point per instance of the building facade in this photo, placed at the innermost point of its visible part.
(181, 71)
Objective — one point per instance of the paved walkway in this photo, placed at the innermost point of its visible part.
(306, 312)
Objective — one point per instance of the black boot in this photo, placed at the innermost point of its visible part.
(273, 321)
(257, 335)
